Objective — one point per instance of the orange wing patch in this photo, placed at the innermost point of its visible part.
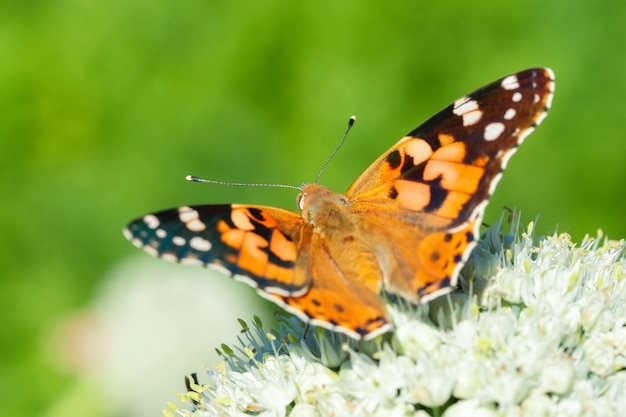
(347, 314)
(338, 296)
(260, 249)
(441, 256)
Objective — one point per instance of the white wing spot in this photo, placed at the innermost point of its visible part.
(510, 83)
(191, 261)
(506, 157)
(151, 221)
(509, 114)
(493, 130)
(468, 109)
(196, 225)
(191, 218)
(151, 251)
(494, 182)
(524, 134)
(200, 244)
(161, 234)
(186, 213)
(170, 257)
(517, 96)
(179, 241)
(536, 98)
(472, 118)
(540, 118)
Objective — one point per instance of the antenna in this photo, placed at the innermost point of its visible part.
(332, 155)
(193, 178)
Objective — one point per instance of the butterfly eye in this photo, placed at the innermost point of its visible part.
(300, 201)
(344, 201)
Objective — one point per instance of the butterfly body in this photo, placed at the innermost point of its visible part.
(405, 226)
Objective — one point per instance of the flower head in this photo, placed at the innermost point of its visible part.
(532, 330)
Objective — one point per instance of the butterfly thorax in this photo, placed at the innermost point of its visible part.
(338, 232)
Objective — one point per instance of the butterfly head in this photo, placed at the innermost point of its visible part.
(319, 205)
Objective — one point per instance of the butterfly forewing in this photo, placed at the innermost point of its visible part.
(257, 244)
(442, 173)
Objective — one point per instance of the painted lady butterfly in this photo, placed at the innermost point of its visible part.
(406, 225)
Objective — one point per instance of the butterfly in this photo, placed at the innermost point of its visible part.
(406, 226)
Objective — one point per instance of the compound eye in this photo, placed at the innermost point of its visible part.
(300, 201)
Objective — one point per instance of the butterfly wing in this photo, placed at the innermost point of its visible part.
(340, 297)
(269, 249)
(256, 244)
(437, 180)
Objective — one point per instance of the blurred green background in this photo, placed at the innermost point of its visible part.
(108, 105)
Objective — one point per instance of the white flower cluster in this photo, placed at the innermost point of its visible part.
(543, 335)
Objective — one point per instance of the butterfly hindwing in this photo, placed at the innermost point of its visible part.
(256, 244)
(339, 296)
